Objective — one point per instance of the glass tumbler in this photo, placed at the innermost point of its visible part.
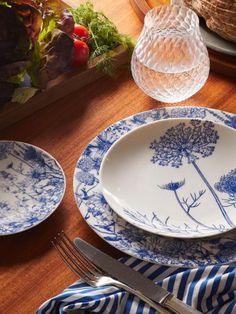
(170, 61)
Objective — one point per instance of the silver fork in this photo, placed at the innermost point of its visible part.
(90, 273)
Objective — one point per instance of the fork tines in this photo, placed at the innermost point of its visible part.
(75, 260)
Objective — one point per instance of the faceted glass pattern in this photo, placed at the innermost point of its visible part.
(170, 62)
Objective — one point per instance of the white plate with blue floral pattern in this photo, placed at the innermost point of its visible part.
(135, 241)
(167, 177)
(32, 185)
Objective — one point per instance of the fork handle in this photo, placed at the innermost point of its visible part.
(156, 306)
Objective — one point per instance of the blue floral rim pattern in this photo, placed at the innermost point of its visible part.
(122, 235)
(32, 185)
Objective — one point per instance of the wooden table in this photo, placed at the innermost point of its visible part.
(30, 270)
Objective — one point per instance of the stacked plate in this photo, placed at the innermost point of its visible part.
(32, 185)
(161, 186)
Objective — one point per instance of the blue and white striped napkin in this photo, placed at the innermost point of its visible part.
(210, 289)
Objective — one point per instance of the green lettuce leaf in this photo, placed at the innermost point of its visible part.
(54, 48)
(49, 24)
(34, 40)
(18, 78)
(23, 94)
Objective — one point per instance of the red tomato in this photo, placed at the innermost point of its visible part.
(81, 53)
(81, 32)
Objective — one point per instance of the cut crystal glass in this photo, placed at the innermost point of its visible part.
(170, 62)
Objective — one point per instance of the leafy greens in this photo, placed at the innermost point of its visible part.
(104, 36)
(35, 41)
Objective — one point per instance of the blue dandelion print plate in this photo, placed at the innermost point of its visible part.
(32, 185)
(167, 177)
(135, 241)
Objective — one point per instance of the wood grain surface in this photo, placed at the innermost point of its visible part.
(30, 270)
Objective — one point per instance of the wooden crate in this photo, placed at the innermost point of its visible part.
(62, 86)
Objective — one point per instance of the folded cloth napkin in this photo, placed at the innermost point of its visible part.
(210, 289)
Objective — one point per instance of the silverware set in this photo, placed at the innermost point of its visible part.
(98, 269)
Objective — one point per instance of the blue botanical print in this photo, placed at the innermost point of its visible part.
(149, 116)
(85, 177)
(227, 184)
(4, 209)
(5, 149)
(185, 205)
(187, 112)
(86, 163)
(180, 142)
(192, 201)
(225, 117)
(31, 154)
(231, 122)
(173, 186)
(135, 241)
(188, 142)
(102, 142)
(166, 226)
(31, 186)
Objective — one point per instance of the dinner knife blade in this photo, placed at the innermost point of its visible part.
(132, 278)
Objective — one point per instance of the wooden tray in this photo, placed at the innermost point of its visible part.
(62, 86)
(220, 63)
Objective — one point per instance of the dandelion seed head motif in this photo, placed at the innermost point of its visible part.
(227, 183)
(172, 186)
(185, 141)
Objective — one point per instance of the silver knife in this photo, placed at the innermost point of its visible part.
(133, 279)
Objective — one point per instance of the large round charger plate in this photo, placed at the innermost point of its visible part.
(32, 185)
(122, 235)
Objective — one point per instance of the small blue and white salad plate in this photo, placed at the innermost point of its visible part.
(103, 220)
(169, 177)
(32, 185)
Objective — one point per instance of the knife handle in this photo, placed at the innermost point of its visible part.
(177, 306)
(157, 306)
